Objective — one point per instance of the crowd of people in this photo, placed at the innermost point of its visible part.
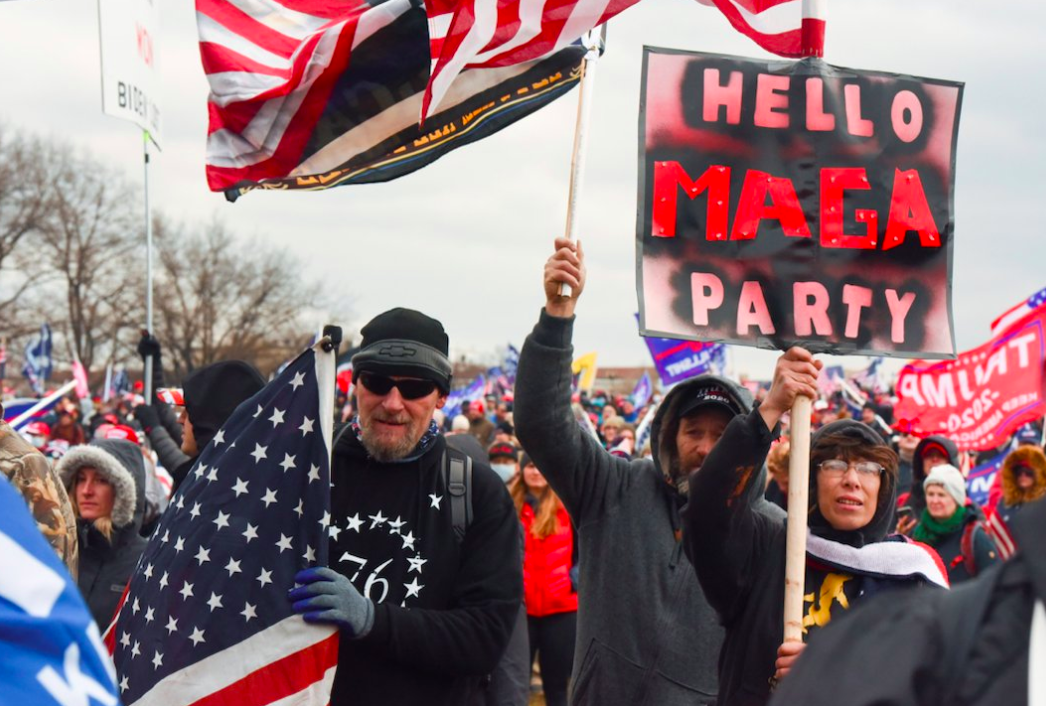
(611, 554)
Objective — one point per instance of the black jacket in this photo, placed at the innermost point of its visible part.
(444, 610)
(737, 547)
(909, 652)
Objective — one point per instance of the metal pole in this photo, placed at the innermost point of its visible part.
(577, 161)
(148, 272)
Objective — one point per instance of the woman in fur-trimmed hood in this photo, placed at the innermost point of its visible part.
(1023, 480)
(106, 484)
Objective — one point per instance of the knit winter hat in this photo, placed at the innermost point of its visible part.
(950, 478)
(405, 342)
(212, 393)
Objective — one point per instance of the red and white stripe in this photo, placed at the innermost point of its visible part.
(1014, 315)
(271, 67)
(466, 34)
(290, 663)
(1000, 534)
(172, 396)
(792, 28)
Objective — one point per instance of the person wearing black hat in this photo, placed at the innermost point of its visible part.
(423, 616)
(646, 635)
(737, 548)
(211, 394)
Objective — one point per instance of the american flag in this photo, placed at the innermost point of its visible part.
(791, 28)
(511, 364)
(308, 94)
(206, 619)
(1036, 303)
(471, 34)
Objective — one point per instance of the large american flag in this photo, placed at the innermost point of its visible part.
(308, 94)
(206, 619)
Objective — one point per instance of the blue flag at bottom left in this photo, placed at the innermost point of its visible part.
(50, 648)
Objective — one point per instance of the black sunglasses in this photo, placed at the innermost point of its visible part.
(410, 389)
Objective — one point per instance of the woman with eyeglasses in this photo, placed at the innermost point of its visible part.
(951, 524)
(736, 540)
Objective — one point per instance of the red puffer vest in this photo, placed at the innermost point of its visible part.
(546, 567)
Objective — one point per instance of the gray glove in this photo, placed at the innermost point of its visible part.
(328, 597)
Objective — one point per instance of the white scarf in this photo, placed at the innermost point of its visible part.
(884, 559)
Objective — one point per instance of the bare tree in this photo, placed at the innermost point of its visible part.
(25, 192)
(218, 299)
(91, 244)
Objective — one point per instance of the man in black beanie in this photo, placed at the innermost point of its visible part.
(424, 614)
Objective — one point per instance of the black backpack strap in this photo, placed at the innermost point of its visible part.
(457, 475)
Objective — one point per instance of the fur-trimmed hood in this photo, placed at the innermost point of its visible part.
(122, 464)
(1033, 457)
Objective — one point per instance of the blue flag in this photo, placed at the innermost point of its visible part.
(511, 364)
(457, 398)
(50, 649)
(643, 390)
(37, 366)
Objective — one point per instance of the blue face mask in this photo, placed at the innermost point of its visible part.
(505, 471)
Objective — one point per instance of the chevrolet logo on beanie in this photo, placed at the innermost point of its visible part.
(407, 343)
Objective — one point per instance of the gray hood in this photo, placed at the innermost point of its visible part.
(122, 464)
(664, 445)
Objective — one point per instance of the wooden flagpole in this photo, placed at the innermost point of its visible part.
(799, 462)
(577, 159)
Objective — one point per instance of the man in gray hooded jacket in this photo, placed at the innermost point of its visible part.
(646, 634)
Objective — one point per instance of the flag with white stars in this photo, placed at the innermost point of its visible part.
(206, 616)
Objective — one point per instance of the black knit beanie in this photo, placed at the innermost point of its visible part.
(212, 393)
(405, 342)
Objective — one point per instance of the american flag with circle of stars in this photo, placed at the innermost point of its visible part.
(206, 618)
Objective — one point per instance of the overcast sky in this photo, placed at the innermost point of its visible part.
(465, 239)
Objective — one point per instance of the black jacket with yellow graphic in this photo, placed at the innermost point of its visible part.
(738, 551)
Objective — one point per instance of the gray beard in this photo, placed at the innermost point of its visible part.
(384, 452)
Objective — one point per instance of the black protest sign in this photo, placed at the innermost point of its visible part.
(785, 203)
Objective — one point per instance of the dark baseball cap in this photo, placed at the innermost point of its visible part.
(711, 394)
(497, 450)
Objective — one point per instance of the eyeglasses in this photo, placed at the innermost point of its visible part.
(836, 468)
(410, 389)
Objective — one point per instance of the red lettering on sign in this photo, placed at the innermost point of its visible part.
(910, 211)
(669, 177)
(752, 208)
(833, 183)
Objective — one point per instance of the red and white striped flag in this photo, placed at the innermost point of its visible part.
(469, 34)
(1036, 303)
(1000, 534)
(791, 28)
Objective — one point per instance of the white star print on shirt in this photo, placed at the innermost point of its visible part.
(436, 500)
(416, 562)
(354, 523)
(413, 588)
(376, 520)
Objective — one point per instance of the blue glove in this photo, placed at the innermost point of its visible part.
(328, 597)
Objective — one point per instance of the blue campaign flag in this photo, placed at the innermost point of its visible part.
(980, 480)
(643, 390)
(511, 364)
(13, 408)
(680, 360)
(37, 366)
(457, 398)
(50, 648)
